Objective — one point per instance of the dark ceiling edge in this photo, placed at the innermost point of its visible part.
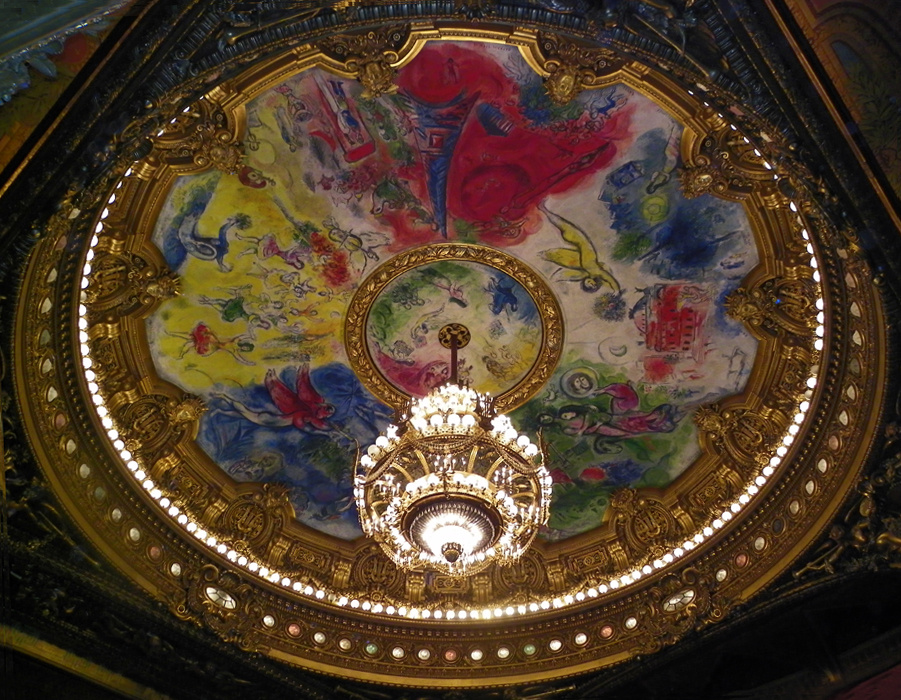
(859, 205)
(130, 634)
(758, 610)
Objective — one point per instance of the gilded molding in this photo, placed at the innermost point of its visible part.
(549, 311)
(200, 137)
(777, 305)
(570, 68)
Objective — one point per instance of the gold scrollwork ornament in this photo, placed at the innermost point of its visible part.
(200, 137)
(644, 524)
(371, 57)
(676, 605)
(572, 68)
(225, 604)
(122, 283)
(777, 305)
(745, 435)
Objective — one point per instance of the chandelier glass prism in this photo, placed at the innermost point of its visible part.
(455, 487)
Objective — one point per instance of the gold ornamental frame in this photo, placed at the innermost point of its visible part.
(124, 519)
(549, 312)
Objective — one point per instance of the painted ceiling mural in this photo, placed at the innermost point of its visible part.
(469, 150)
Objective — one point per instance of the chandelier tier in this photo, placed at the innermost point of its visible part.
(455, 487)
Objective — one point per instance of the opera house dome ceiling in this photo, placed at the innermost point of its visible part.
(219, 326)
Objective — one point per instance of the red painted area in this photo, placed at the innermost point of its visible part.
(496, 181)
(594, 474)
(75, 51)
(885, 686)
(671, 317)
(558, 476)
(675, 321)
(657, 369)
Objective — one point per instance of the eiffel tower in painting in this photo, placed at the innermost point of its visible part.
(438, 127)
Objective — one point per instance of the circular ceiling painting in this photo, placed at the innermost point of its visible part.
(652, 293)
(392, 326)
(584, 201)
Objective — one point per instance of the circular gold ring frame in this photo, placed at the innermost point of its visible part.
(549, 311)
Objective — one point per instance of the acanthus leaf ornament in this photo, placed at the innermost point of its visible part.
(676, 605)
(777, 305)
(643, 524)
(571, 68)
(745, 435)
(202, 136)
(225, 604)
(371, 58)
(124, 283)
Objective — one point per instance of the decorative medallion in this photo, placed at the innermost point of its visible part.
(393, 322)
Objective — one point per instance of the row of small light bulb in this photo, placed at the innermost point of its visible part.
(504, 432)
(448, 398)
(135, 468)
(448, 408)
(765, 473)
(744, 499)
(383, 444)
(320, 594)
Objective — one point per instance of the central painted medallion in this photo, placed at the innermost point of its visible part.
(512, 314)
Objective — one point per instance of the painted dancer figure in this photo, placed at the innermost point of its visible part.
(205, 342)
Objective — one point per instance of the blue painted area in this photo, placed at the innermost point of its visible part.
(316, 464)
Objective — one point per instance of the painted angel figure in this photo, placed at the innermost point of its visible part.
(303, 406)
(581, 262)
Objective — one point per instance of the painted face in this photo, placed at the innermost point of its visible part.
(581, 383)
(437, 375)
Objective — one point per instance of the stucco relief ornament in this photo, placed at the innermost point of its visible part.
(572, 68)
(124, 283)
(154, 423)
(676, 606)
(643, 524)
(201, 136)
(190, 408)
(371, 57)
(700, 180)
(222, 601)
(745, 435)
(777, 304)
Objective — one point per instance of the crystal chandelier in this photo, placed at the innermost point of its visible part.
(455, 487)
